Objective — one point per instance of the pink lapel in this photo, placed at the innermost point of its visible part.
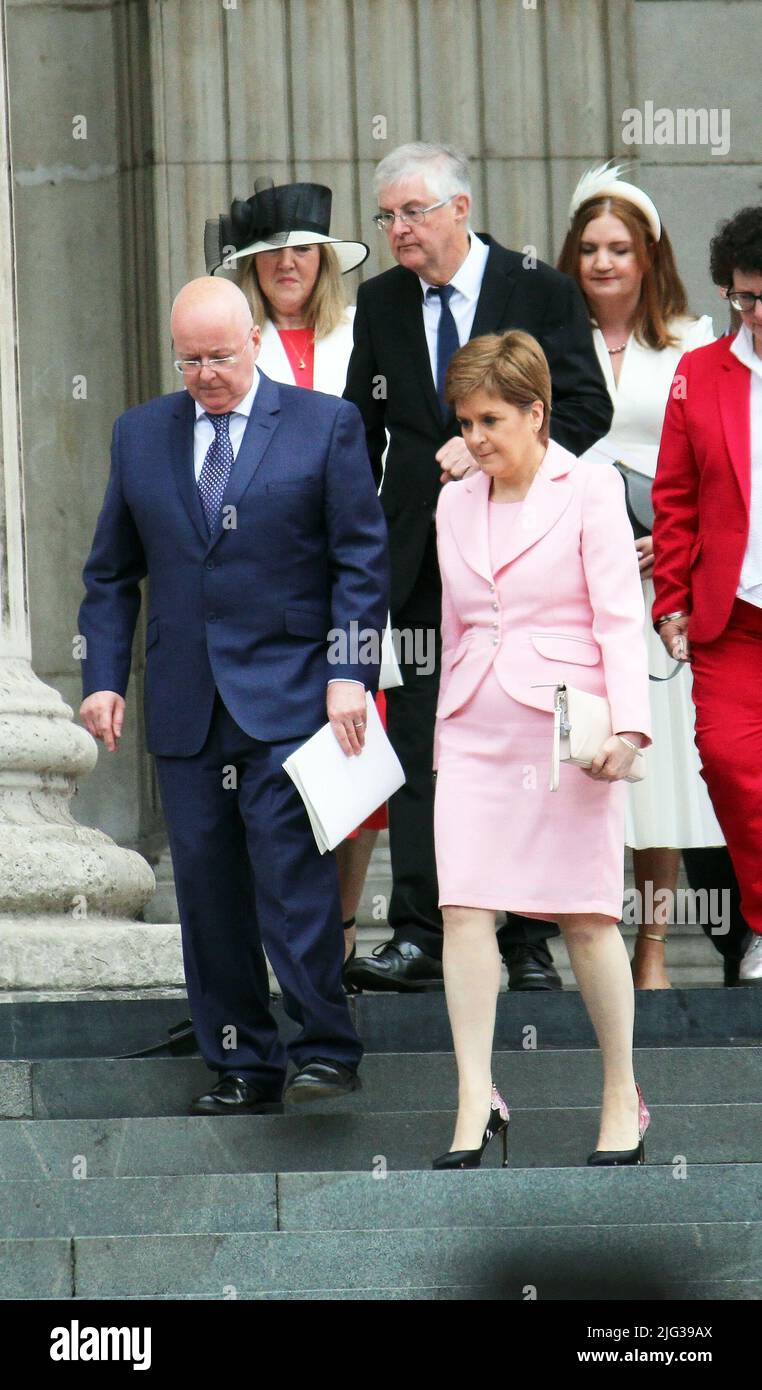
(546, 501)
(734, 391)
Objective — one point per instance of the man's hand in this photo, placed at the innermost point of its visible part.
(345, 704)
(645, 549)
(454, 460)
(674, 635)
(103, 716)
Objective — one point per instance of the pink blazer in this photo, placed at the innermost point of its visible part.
(564, 603)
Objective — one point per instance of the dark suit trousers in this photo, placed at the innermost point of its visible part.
(250, 879)
(414, 913)
(712, 870)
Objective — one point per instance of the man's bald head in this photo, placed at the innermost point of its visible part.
(211, 319)
(208, 298)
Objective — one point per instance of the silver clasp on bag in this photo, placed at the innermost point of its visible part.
(561, 727)
(559, 704)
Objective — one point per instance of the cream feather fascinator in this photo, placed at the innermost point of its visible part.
(603, 181)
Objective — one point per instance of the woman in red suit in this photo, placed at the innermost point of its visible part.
(708, 556)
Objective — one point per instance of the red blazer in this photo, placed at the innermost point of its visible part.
(701, 490)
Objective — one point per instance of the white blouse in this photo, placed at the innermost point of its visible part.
(750, 587)
(641, 394)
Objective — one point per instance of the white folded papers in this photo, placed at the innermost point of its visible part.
(338, 791)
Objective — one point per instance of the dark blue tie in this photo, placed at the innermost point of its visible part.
(447, 341)
(216, 468)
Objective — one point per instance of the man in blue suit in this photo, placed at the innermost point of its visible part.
(252, 509)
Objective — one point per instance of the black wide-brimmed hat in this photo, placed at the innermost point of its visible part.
(293, 214)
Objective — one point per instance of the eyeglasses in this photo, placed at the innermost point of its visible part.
(412, 218)
(187, 365)
(743, 300)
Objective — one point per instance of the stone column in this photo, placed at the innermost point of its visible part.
(66, 892)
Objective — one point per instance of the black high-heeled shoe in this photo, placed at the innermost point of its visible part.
(619, 1158)
(499, 1119)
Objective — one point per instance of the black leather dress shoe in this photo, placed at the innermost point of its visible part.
(531, 967)
(234, 1095)
(731, 965)
(397, 966)
(321, 1079)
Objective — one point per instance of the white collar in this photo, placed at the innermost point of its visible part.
(467, 279)
(244, 406)
(742, 347)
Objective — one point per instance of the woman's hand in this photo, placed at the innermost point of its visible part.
(614, 759)
(674, 635)
(645, 549)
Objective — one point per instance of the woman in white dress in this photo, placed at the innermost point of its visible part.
(621, 256)
(278, 243)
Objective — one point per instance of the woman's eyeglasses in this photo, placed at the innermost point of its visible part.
(742, 300)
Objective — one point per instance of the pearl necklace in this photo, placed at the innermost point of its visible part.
(613, 351)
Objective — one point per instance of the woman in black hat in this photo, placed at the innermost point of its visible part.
(289, 266)
(279, 244)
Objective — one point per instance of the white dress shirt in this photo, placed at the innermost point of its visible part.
(750, 587)
(467, 284)
(203, 431)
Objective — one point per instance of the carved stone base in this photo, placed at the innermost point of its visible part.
(58, 953)
(67, 892)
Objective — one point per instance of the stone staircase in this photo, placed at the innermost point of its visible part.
(109, 1190)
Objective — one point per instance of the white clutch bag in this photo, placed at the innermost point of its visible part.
(581, 724)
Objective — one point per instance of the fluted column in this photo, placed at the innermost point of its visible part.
(67, 893)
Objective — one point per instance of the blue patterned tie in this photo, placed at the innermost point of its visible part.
(216, 468)
(447, 341)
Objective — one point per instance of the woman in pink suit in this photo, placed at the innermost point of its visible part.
(540, 586)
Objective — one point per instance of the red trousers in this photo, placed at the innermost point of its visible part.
(727, 693)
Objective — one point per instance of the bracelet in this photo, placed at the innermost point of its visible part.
(629, 743)
(668, 618)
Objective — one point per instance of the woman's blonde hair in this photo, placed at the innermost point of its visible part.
(662, 293)
(325, 307)
(511, 366)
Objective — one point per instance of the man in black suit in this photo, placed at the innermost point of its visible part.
(449, 285)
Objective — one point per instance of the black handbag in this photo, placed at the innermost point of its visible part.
(637, 492)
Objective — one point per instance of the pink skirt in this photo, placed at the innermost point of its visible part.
(504, 841)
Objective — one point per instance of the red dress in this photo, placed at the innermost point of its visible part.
(299, 347)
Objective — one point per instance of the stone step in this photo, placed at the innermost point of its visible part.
(111, 1027)
(100, 1087)
(727, 1290)
(419, 1023)
(508, 1262)
(540, 1137)
(41, 1209)
(692, 960)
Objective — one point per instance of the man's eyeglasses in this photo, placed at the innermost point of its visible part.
(411, 217)
(743, 300)
(188, 365)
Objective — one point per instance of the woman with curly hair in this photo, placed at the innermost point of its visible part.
(708, 556)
